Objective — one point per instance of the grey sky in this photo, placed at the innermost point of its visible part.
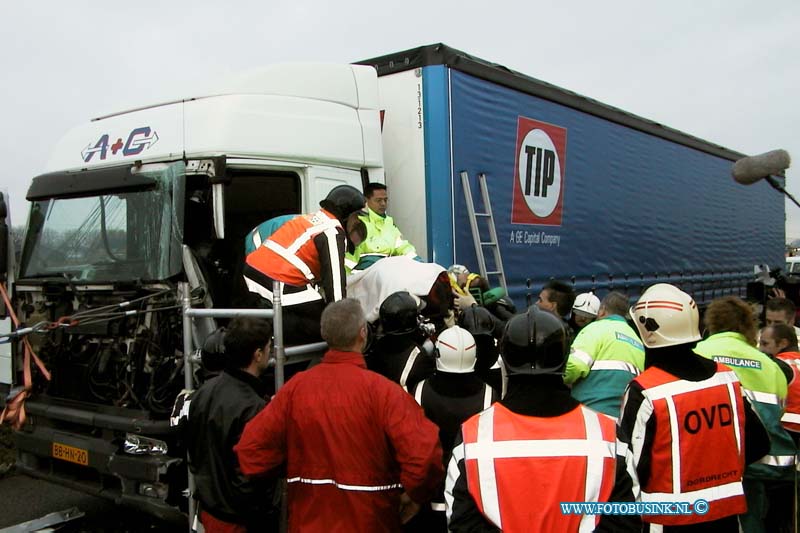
(726, 70)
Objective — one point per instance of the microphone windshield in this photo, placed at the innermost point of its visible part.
(749, 170)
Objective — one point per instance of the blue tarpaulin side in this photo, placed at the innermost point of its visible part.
(635, 208)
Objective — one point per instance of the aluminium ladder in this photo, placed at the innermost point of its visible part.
(492, 243)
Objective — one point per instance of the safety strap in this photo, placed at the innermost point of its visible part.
(14, 411)
(418, 392)
(487, 396)
(412, 358)
(607, 364)
(256, 239)
(792, 418)
(307, 294)
(777, 460)
(342, 486)
(287, 254)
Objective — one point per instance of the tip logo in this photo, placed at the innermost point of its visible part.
(539, 173)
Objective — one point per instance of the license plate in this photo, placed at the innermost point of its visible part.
(71, 454)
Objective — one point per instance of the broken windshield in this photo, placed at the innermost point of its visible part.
(124, 236)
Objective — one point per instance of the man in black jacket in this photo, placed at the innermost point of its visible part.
(449, 397)
(218, 412)
(514, 464)
(402, 353)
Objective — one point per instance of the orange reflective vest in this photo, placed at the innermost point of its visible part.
(519, 468)
(697, 451)
(791, 417)
(290, 256)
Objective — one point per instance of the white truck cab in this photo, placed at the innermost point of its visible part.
(132, 204)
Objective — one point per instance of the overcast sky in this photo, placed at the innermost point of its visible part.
(727, 71)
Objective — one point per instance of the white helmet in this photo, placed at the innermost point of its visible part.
(456, 349)
(666, 316)
(587, 303)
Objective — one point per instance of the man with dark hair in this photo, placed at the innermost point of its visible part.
(229, 500)
(781, 311)
(732, 342)
(383, 238)
(557, 297)
(605, 356)
(780, 342)
(777, 338)
(357, 451)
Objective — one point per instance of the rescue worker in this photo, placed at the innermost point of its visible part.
(553, 449)
(732, 328)
(383, 238)
(483, 326)
(557, 297)
(449, 397)
(605, 356)
(584, 310)
(780, 311)
(782, 339)
(402, 352)
(357, 452)
(687, 429)
(306, 255)
(218, 411)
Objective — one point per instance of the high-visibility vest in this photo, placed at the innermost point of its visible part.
(697, 451)
(383, 237)
(603, 359)
(289, 255)
(519, 468)
(791, 417)
(764, 384)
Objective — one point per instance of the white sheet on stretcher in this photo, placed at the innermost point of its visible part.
(389, 275)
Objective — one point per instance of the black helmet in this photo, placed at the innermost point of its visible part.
(481, 324)
(477, 320)
(535, 342)
(343, 200)
(399, 313)
(213, 352)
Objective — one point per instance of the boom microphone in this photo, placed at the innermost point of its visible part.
(749, 170)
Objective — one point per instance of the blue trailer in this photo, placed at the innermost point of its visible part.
(580, 191)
